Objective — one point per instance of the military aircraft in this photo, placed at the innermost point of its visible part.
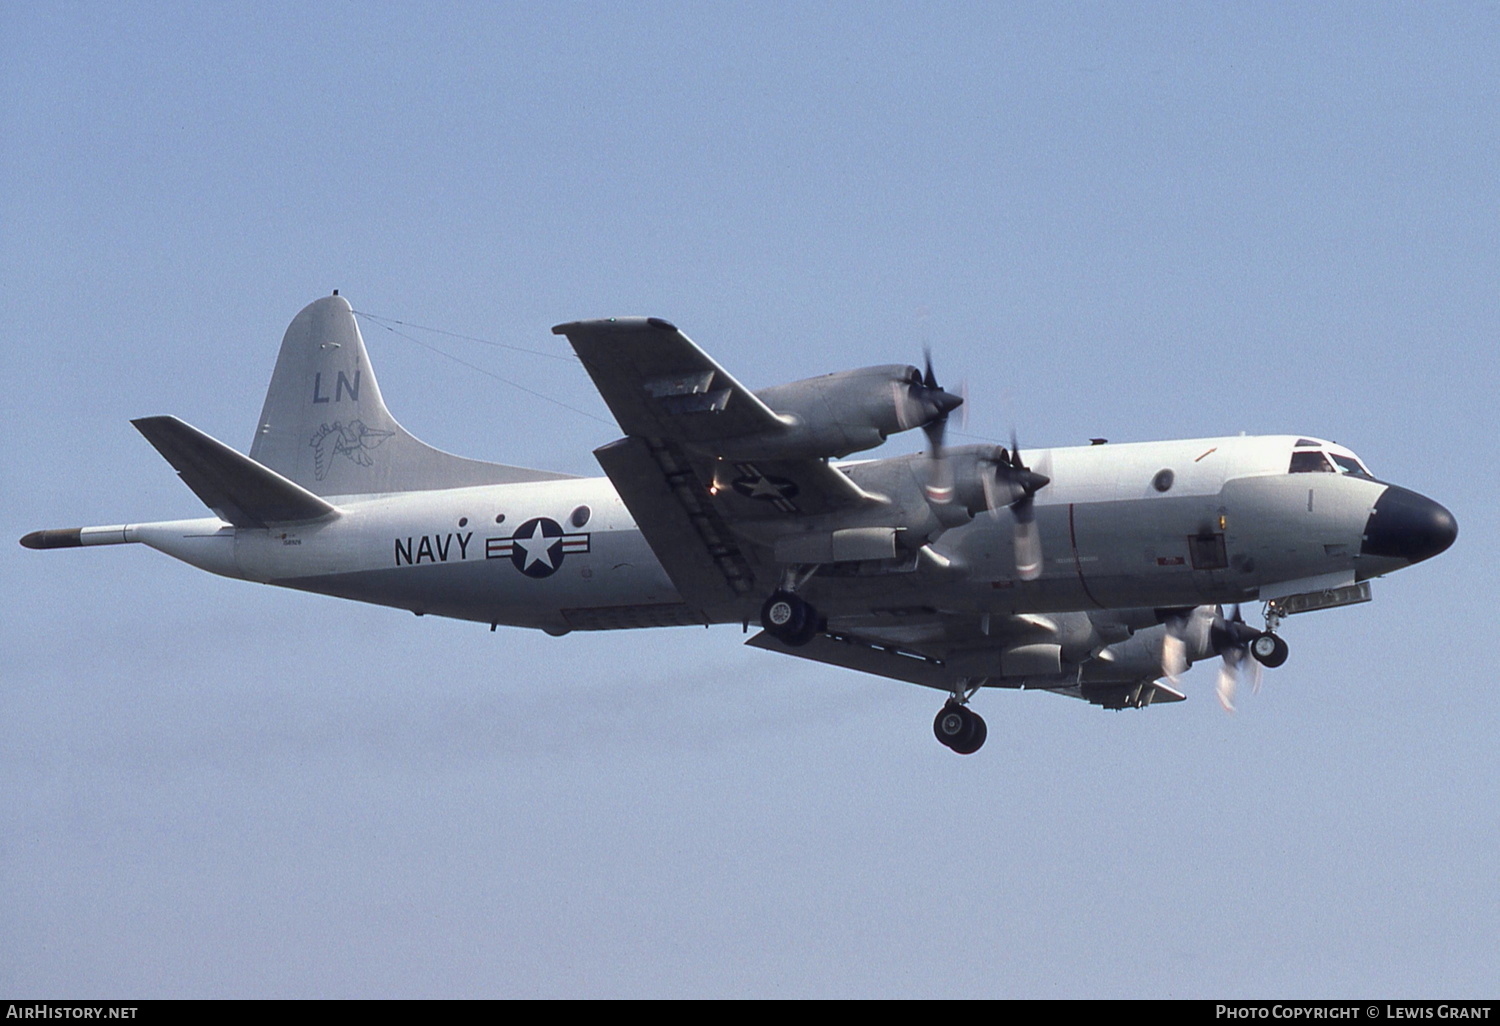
(1099, 572)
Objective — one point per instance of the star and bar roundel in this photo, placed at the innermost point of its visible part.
(538, 546)
(752, 484)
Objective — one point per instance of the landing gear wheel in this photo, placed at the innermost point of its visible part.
(950, 724)
(814, 626)
(978, 732)
(790, 620)
(959, 728)
(1269, 650)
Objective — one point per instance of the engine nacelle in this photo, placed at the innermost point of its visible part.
(837, 414)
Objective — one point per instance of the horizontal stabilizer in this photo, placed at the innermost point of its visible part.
(234, 486)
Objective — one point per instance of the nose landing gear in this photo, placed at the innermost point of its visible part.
(1269, 650)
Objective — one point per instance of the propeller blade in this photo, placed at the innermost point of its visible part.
(1015, 452)
(934, 429)
(1174, 661)
(1028, 549)
(939, 476)
(1230, 637)
(1228, 683)
(936, 405)
(899, 392)
(988, 482)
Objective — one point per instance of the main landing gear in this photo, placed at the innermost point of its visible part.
(959, 728)
(789, 619)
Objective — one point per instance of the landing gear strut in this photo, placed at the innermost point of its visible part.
(959, 728)
(789, 619)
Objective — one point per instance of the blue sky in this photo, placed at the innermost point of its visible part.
(1130, 221)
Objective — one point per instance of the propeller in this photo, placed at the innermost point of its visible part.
(1025, 483)
(1021, 484)
(1226, 636)
(936, 404)
(1020, 481)
(1187, 630)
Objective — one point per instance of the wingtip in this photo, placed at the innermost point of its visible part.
(146, 425)
(613, 324)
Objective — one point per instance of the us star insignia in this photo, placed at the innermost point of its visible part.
(538, 547)
(752, 484)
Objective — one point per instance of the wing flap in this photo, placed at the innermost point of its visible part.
(671, 507)
(234, 486)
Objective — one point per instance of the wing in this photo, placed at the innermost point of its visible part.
(658, 384)
(661, 386)
(681, 413)
(950, 653)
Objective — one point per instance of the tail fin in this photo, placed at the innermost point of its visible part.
(325, 427)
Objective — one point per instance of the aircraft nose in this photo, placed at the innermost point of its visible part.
(1407, 526)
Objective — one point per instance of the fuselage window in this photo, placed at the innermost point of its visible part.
(1310, 463)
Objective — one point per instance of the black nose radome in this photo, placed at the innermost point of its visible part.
(1407, 526)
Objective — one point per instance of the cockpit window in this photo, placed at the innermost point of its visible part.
(1350, 465)
(1310, 463)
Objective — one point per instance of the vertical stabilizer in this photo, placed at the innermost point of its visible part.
(325, 426)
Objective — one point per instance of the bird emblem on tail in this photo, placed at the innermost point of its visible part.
(354, 440)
